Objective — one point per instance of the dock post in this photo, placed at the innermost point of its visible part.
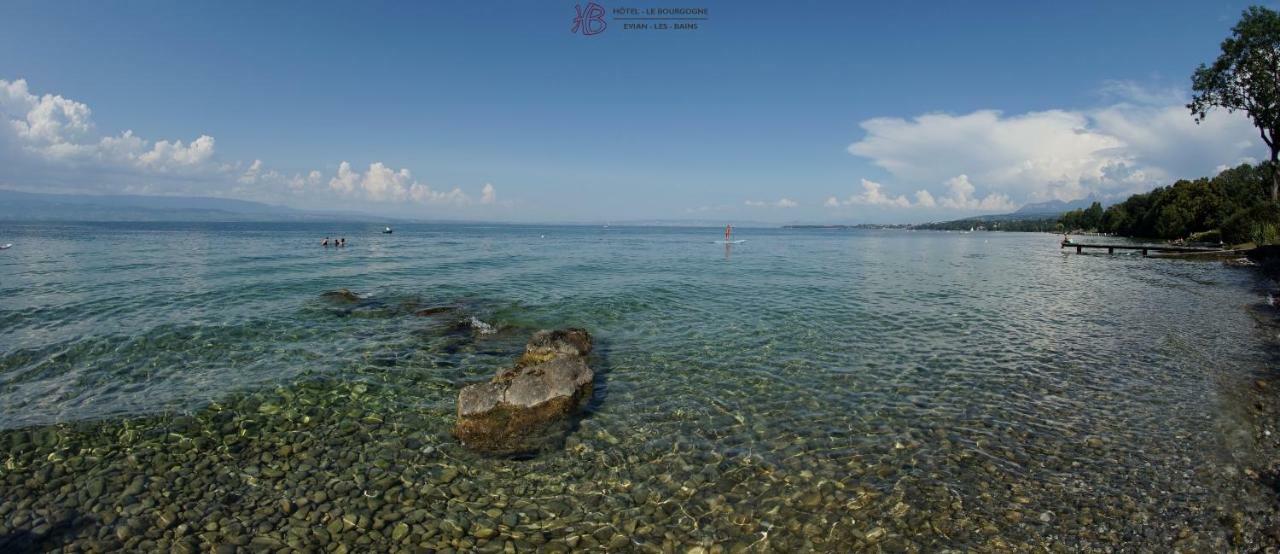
(1079, 249)
(1111, 250)
(1144, 251)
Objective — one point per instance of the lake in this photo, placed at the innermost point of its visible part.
(186, 386)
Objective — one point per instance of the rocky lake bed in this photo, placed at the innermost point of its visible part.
(973, 424)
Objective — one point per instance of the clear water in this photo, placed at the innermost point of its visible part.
(807, 389)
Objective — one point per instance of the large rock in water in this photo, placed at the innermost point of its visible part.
(522, 407)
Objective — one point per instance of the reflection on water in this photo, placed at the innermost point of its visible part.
(185, 386)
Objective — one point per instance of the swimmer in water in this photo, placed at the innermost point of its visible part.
(728, 232)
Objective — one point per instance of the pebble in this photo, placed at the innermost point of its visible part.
(873, 536)
(399, 532)
(447, 476)
(338, 482)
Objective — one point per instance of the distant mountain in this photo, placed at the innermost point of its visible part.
(744, 224)
(1055, 207)
(28, 206)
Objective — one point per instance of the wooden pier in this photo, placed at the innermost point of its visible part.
(1111, 248)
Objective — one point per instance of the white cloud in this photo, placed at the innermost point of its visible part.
(250, 175)
(42, 120)
(426, 195)
(345, 181)
(781, 203)
(383, 184)
(299, 183)
(1143, 140)
(960, 196)
(49, 142)
(167, 155)
(924, 199)
(872, 195)
(48, 136)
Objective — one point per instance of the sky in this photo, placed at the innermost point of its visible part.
(841, 112)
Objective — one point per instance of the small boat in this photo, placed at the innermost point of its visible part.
(6, 246)
(387, 231)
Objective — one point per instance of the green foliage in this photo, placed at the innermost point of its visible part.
(1243, 77)
(1246, 77)
(1234, 202)
(1239, 204)
(1257, 224)
(1233, 207)
(1088, 219)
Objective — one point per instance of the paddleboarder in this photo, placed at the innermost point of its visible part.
(728, 232)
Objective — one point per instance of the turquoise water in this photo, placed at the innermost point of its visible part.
(807, 389)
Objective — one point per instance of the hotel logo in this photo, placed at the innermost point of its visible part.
(590, 21)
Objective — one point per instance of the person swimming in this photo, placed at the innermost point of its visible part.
(325, 242)
(342, 241)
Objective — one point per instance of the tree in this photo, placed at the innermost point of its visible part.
(1246, 77)
(1093, 217)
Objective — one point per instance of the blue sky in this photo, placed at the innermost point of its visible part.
(797, 111)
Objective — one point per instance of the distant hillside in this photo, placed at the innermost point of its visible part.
(1052, 207)
(27, 206)
(1041, 216)
(744, 224)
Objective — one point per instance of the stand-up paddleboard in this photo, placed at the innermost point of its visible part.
(6, 247)
(739, 241)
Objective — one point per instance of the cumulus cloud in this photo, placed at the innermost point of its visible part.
(167, 155)
(959, 196)
(346, 180)
(297, 183)
(48, 141)
(45, 134)
(781, 203)
(42, 120)
(872, 195)
(1142, 139)
(383, 184)
(924, 199)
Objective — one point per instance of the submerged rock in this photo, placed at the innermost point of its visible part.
(341, 296)
(516, 410)
(546, 345)
(435, 310)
